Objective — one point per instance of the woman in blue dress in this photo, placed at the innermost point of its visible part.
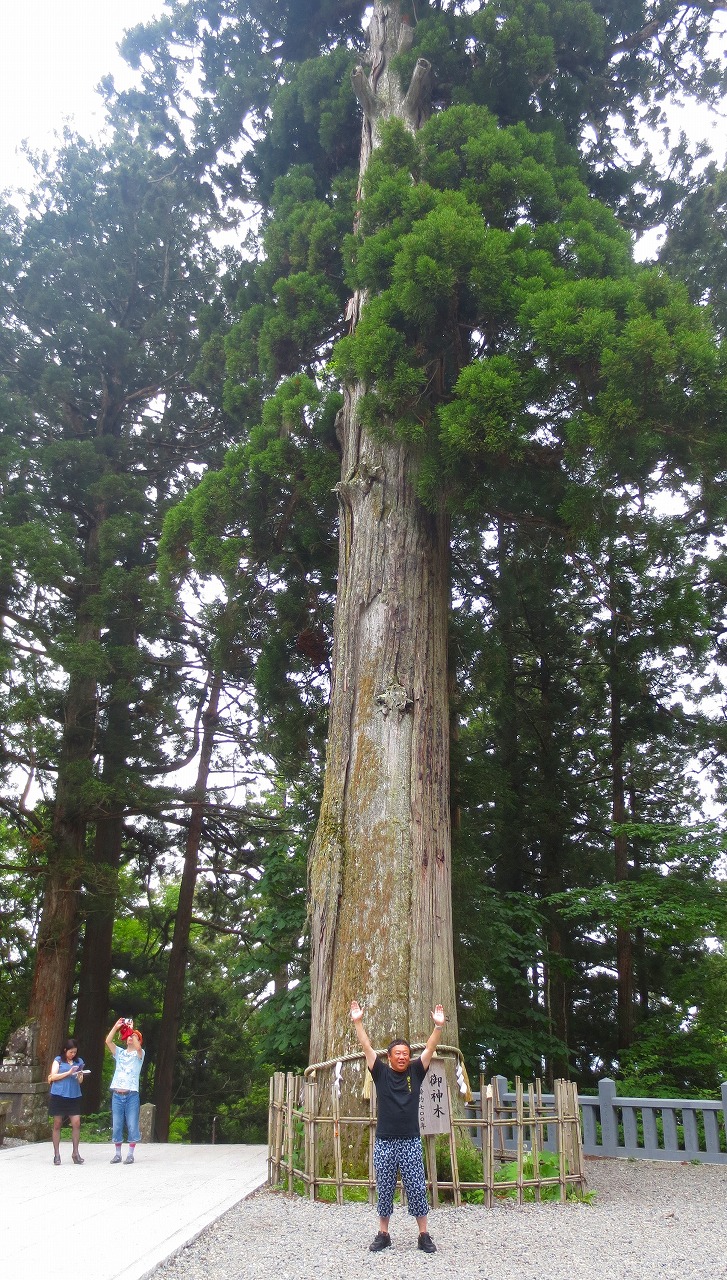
(64, 1099)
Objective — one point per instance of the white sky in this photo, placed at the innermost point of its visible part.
(54, 52)
(52, 55)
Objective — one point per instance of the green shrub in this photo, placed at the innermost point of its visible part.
(469, 1167)
(96, 1127)
(548, 1167)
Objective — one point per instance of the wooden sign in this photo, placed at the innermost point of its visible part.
(434, 1101)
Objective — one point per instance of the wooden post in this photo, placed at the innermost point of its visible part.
(519, 1128)
(577, 1141)
(486, 1142)
(279, 1108)
(489, 1148)
(309, 1120)
(372, 1140)
(431, 1148)
(496, 1109)
(271, 1115)
(453, 1155)
(559, 1100)
(289, 1079)
(534, 1141)
(337, 1140)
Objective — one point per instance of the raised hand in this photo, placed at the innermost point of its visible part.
(438, 1016)
(356, 1011)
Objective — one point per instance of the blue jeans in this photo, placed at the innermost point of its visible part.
(125, 1109)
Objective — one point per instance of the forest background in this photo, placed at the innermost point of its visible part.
(168, 542)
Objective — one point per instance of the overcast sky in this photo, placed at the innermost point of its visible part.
(54, 52)
(52, 55)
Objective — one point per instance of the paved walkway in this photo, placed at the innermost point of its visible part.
(115, 1222)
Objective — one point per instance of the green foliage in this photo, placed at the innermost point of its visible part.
(677, 901)
(262, 525)
(520, 253)
(351, 1195)
(469, 1166)
(548, 1167)
(96, 1127)
(246, 1119)
(21, 860)
(676, 1055)
(312, 114)
(694, 247)
(554, 395)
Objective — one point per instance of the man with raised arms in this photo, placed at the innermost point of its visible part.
(398, 1144)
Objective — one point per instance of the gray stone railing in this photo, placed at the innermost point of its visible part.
(638, 1128)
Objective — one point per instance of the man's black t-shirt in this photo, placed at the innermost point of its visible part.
(397, 1094)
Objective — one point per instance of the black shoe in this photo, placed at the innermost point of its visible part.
(382, 1240)
(426, 1244)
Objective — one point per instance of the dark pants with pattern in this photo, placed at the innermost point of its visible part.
(405, 1154)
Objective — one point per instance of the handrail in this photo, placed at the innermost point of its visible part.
(645, 1128)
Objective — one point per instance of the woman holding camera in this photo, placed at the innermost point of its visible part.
(64, 1098)
(125, 1086)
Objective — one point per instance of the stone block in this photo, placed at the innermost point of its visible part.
(4, 1108)
(147, 1116)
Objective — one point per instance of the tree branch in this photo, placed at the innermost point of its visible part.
(416, 101)
(364, 93)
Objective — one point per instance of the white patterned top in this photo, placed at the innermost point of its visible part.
(128, 1070)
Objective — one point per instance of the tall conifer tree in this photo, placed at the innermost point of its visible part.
(101, 340)
(498, 334)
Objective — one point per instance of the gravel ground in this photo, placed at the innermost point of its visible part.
(650, 1219)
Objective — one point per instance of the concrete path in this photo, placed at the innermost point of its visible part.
(113, 1222)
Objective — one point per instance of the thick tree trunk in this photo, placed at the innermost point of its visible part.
(174, 988)
(380, 883)
(624, 941)
(58, 933)
(51, 991)
(514, 992)
(102, 876)
(551, 842)
(92, 1012)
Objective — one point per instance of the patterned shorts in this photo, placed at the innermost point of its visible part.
(391, 1155)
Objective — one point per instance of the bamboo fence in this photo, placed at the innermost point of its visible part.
(312, 1145)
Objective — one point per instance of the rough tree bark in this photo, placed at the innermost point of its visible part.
(514, 990)
(58, 932)
(101, 883)
(380, 882)
(624, 940)
(94, 979)
(174, 988)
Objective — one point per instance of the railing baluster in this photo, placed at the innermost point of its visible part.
(691, 1137)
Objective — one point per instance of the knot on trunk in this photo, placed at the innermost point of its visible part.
(394, 698)
(358, 482)
(416, 104)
